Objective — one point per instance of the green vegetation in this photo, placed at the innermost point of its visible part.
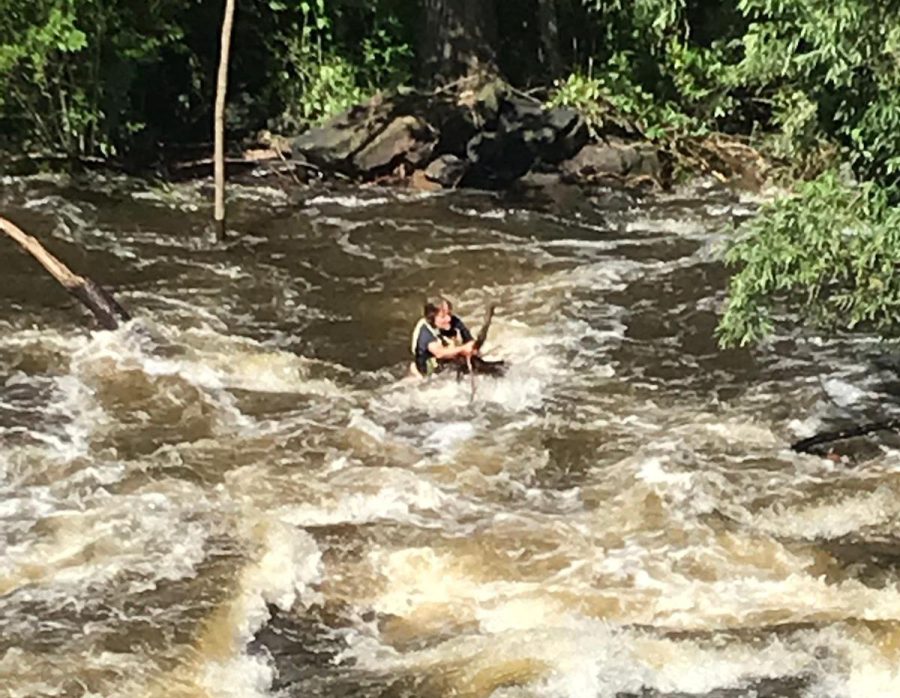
(829, 254)
(105, 77)
(813, 84)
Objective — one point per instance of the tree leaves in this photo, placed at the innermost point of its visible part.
(826, 255)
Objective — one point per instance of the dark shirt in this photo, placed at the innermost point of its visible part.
(457, 326)
(423, 339)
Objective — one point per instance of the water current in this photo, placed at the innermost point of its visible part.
(241, 494)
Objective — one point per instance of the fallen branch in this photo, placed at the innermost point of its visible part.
(103, 306)
(475, 364)
(806, 445)
(482, 333)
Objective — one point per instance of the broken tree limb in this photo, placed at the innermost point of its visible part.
(482, 333)
(475, 364)
(103, 306)
(825, 437)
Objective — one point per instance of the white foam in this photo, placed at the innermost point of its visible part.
(348, 201)
(525, 624)
(146, 533)
(844, 393)
(367, 426)
(446, 436)
(833, 517)
(362, 495)
(285, 573)
(211, 360)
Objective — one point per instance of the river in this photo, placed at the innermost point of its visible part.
(240, 494)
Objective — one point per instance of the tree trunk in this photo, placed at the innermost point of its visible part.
(104, 307)
(459, 39)
(549, 29)
(219, 124)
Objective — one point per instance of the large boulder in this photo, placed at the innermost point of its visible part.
(497, 158)
(405, 140)
(332, 145)
(484, 136)
(613, 159)
(571, 134)
(446, 170)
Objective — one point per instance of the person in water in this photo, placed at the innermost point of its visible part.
(429, 348)
(457, 332)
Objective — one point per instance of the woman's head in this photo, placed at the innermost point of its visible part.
(435, 316)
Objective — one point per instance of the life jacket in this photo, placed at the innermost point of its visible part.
(431, 362)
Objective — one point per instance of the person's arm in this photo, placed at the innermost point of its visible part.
(439, 351)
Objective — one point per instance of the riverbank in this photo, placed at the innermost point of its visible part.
(486, 136)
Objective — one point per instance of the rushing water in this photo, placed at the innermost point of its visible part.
(241, 494)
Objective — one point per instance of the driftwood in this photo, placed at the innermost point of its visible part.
(482, 333)
(103, 306)
(806, 445)
(475, 365)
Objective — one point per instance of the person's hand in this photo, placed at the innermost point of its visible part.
(468, 349)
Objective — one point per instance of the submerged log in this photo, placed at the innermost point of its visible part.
(826, 437)
(103, 306)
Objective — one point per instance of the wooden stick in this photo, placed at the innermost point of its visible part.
(104, 307)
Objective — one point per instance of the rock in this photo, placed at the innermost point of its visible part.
(521, 114)
(546, 191)
(497, 159)
(484, 104)
(446, 171)
(594, 159)
(562, 119)
(614, 158)
(571, 135)
(420, 181)
(332, 145)
(641, 159)
(486, 136)
(406, 139)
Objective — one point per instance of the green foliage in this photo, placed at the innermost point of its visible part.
(587, 95)
(648, 68)
(88, 77)
(606, 97)
(799, 77)
(323, 73)
(61, 69)
(828, 255)
(829, 68)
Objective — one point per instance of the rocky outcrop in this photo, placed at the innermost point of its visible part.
(612, 158)
(487, 137)
(405, 140)
(446, 170)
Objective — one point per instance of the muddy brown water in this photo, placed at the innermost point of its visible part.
(240, 495)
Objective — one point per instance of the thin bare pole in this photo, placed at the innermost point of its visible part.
(219, 123)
